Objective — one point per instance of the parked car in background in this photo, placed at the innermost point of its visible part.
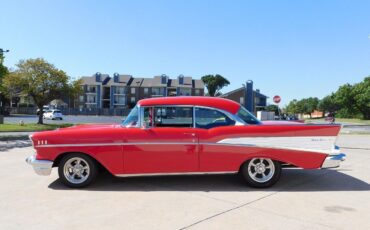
(330, 118)
(53, 114)
(186, 135)
(44, 109)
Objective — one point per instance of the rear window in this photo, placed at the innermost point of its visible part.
(209, 118)
(56, 111)
(247, 117)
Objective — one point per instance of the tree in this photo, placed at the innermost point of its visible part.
(313, 103)
(328, 104)
(74, 91)
(3, 72)
(292, 107)
(307, 105)
(214, 83)
(40, 80)
(273, 108)
(361, 95)
(344, 97)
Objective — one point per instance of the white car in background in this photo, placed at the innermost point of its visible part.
(53, 114)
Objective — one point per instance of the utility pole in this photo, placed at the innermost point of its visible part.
(2, 51)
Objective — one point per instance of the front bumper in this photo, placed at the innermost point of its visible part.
(41, 167)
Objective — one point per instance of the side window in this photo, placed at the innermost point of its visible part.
(168, 116)
(148, 116)
(210, 118)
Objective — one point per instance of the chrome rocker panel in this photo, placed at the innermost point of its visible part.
(41, 167)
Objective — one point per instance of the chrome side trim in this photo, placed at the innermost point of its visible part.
(175, 174)
(117, 144)
(184, 143)
(41, 167)
(333, 161)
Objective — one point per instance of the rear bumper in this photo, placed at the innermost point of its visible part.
(41, 167)
(333, 161)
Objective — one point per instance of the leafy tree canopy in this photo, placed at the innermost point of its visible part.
(38, 79)
(214, 84)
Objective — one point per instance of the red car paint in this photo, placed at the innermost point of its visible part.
(137, 150)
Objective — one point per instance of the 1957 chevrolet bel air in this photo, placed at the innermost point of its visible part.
(185, 135)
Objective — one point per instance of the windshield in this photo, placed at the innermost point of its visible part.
(132, 119)
(247, 117)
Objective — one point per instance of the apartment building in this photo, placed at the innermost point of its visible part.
(122, 91)
(251, 99)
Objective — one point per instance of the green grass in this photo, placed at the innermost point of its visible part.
(31, 127)
(345, 120)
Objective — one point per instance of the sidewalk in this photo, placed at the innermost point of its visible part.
(15, 133)
(14, 136)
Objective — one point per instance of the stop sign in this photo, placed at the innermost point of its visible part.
(276, 99)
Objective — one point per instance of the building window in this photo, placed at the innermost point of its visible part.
(197, 92)
(242, 100)
(119, 100)
(156, 91)
(91, 99)
(146, 91)
(257, 101)
(133, 90)
(91, 89)
(120, 90)
(82, 98)
(133, 99)
(184, 92)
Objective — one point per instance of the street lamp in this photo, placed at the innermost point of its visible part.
(2, 51)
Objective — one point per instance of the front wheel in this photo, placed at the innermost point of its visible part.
(261, 172)
(77, 170)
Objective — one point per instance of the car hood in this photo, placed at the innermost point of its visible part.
(90, 126)
(80, 134)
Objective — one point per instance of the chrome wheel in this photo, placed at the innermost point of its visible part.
(261, 170)
(76, 170)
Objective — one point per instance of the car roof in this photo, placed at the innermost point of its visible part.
(214, 102)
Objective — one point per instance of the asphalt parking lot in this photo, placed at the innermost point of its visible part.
(302, 199)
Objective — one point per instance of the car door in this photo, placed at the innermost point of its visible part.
(165, 142)
(213, 126)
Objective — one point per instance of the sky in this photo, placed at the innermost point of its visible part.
(294, 49)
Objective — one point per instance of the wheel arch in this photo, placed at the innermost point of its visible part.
(274, 159)
(60, 157)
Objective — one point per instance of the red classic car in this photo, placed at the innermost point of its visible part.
(185, 135)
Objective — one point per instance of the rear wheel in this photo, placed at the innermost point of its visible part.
(261, 172)
(77, 170)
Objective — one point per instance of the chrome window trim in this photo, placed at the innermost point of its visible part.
(194, 124)
(238, 120)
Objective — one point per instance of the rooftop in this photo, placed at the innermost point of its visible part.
(215, 102)
(156, 81)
